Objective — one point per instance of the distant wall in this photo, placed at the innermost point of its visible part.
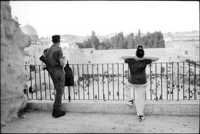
(114, 56)
(185, 50)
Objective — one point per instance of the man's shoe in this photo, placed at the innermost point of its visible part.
(57, 113)
(130, 102)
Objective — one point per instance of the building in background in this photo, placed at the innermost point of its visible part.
(30, 31)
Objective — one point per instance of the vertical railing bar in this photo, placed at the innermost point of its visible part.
(150, 83)
(161, 82)
(172, 81)
(123, 80)
(183, 81)
(64, 93)
(103, 81)
(113, 81)
(167, 80)
(88, 79)
(49, 86)
(195, 81)
(118, 78)
(78, 82)
(31, 82)
(54, 92)
(40, 82)
(156, 81)
(83, 82)
(189, 80)
(27, 91)
(98, 79)
(178, 81)
(73, 81)
(35, 82)
(45, 84)
(93, 79)
(108, 79)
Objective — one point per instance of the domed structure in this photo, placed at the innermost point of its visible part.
(29, 30)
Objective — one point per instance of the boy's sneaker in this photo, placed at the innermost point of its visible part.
(141, 118)
(130, 102)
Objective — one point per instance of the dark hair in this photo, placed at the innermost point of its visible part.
(56, 38)
(140, 51)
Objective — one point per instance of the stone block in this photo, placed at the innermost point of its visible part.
(98, 108)
(82, 107)
(189, 108)
(47, 106)
(114, 108)
(130, 109)
(34, 106)
(166, 109)
(148, 109)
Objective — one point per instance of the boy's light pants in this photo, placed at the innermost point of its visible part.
(140, 96)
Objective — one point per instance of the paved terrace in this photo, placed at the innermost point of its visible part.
(108, 117)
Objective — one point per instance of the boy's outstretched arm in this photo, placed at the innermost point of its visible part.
(143, 58)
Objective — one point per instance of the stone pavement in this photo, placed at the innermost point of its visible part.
(43, 122)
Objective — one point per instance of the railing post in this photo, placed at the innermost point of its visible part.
(167, 80)
(150, 83)
(98, 79)
(189, 80)
(178, 81)
(103, 82)
(156, 81)
(35, 82)
(161, 75)
(118, 79)
(40, 82)
(113, 81)
(83, 81)
(195, 81)
(172, 81)
(31, 83)
(183, 81)
(88, 84)
(123, 80)
(69, 97)
(45, 83)
(108, 81)
(93, 79)
(78, 82)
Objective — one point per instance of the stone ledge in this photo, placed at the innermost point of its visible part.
(182, 108)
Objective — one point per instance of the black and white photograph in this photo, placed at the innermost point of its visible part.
(100, 67)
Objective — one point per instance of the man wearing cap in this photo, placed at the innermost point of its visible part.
(57, 61)
(137, 79)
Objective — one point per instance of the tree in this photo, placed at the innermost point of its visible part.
(152, 40)
(94, 40)
(130, 41)
(121, 40)
(80, 45)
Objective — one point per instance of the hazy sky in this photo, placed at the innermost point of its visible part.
(106, 17)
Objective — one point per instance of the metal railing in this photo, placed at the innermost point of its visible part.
(167, 81)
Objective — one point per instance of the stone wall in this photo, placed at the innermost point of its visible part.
(13, 42)
(114, 56)
(87, 56)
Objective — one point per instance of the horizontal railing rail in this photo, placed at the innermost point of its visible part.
(166, 81)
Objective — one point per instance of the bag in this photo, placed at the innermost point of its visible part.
(69, 77)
